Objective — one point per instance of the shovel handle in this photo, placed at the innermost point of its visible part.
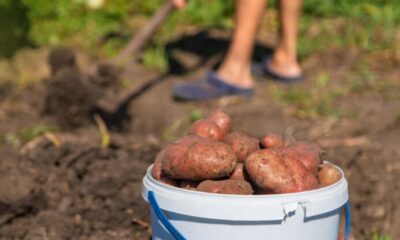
(142, 37)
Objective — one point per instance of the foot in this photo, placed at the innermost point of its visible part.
(278, 70)
(209, 87)
(238, 76)
(283, 66)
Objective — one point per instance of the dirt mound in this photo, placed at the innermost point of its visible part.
(72, 94)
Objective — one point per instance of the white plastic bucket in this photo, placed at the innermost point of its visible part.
(311, 215)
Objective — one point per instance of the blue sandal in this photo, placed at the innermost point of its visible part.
(263, 70)
(209, 87)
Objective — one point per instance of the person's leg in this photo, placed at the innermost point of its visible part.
(236, 67)
(234, 75)
(284, 61)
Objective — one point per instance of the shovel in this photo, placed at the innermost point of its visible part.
(115, 118)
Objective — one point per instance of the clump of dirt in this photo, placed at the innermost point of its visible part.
(60, 58)
(69, 99)
(71, 94)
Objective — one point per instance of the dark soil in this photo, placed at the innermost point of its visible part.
(66, 186)
(74, 191)
(71, 94)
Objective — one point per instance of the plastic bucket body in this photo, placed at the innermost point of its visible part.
(310, 215)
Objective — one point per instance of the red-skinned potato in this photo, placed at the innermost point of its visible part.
(261, 191)
(196, 158)
(168, 181)
(328, 175)
(308, 153)
(157, 173)
(208, 129)
(242, 144)
(271, 170)
(239, 173)
(267, 170)
(226, 187)
(303, 178)
(272, 141)
(222, 119)
(192, 185)
(276, 141)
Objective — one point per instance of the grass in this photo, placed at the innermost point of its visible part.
(196, 114)
(155, 58)
(364, 81)
(311, 102)
(372, 23)
(25, 135)
(379, 236)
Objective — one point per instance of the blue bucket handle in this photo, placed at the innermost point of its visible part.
(348, 220)
(178, 236)
(163, 219)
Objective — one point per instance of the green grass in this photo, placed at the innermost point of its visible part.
(28, 134)
(196, 114)
(372, 22)
(378, 236)
(25, 135)
(312, 102)
(155, 58)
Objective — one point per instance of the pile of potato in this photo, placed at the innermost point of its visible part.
(213, 159)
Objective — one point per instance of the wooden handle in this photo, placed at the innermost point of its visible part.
(138, 41)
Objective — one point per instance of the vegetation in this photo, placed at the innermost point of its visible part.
(312, 102)
(106, 25)
(25, 135)
(103, 27)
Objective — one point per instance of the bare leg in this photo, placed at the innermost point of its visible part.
(236, 67)
(284, 60)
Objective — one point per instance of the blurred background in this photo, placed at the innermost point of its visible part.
(54, 148)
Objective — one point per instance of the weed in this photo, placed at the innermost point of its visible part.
(28, 134)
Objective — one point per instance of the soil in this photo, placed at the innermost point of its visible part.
(66, 185)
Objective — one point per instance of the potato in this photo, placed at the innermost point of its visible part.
(303, 178)
(271, 170)
(242, 144)
(207, 128)
(168, 181)
(222, 119)
(328, 175)
(267, 170)
(239, 173)
(157, 173)
(308, 153)
(260, 191)
(275, 140)
(272, 141)
(226, 187)
(192, 185)
(196, 158)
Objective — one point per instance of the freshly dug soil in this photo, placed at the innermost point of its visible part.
(71, 94)
(75, 191)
